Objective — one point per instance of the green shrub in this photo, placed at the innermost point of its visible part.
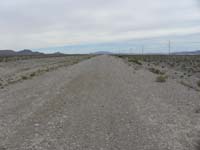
(156, 71)
(161, 78)
(134, 61)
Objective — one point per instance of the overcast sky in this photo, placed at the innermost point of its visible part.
(38, 24)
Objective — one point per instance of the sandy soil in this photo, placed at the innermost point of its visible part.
(99, 104)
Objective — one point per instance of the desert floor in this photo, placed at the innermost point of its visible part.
(101, 103)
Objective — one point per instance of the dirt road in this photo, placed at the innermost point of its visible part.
(98, 104)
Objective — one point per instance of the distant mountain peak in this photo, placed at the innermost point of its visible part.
(58, 53)
(19, 53)
(25, 50)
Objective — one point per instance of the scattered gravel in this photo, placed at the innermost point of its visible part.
(99, 104)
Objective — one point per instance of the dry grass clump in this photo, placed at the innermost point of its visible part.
(161, 78)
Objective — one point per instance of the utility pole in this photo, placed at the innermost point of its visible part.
(169, 44)
(142, 49)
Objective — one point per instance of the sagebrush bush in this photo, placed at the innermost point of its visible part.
(161, 78)
(135, 61)
(156, 71)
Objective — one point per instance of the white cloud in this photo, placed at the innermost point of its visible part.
(45, 23)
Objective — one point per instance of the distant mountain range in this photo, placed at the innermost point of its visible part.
(187, 53)
(19, 53)
(102, 53)
(58, 53)
(26, 52)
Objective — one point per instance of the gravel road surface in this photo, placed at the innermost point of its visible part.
(99, 104)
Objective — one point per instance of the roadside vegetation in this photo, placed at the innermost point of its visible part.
(189, 64)
(133, 60)
(185, 69)
(31, 71)
(27, 57)
(156, 71)
(161, 78)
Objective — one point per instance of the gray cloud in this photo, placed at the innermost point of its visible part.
(44, 23)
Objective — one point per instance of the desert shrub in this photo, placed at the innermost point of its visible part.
(198, 83)
(134, 61)
(156, 71)
(197, 147)
(47, 69)
(24, 77)
(32, 74)
(197, 111)
(161, 78)
(183, 66)
(172, 64)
